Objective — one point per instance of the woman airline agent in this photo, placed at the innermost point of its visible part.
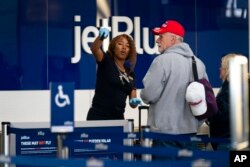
(115, 81)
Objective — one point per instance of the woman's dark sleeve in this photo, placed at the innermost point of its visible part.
(132, 79)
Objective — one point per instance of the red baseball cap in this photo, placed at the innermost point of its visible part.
(171, 26)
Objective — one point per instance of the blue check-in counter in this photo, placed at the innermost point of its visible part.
(28, 139)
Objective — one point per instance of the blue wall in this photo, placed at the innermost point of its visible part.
(37, 39)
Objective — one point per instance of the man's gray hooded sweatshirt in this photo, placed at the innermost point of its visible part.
(164, 90)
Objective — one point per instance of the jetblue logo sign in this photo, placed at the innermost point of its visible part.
(82, 39)
(239, 158)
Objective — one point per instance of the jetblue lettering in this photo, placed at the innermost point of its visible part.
(81, 38)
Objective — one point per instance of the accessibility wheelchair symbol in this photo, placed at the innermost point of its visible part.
(61, 99)
(62, 107)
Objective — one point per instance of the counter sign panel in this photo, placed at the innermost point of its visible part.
(62, 107)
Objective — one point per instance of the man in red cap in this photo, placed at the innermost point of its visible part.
(166, 82)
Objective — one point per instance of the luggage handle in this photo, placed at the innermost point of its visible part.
(143, 107)
(140, 131)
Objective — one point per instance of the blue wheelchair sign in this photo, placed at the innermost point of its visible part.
(62, 107)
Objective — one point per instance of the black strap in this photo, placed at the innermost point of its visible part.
(194, 69)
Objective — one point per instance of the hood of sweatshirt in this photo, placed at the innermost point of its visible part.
(182, 49)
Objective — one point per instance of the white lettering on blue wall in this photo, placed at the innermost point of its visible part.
(82, 39)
